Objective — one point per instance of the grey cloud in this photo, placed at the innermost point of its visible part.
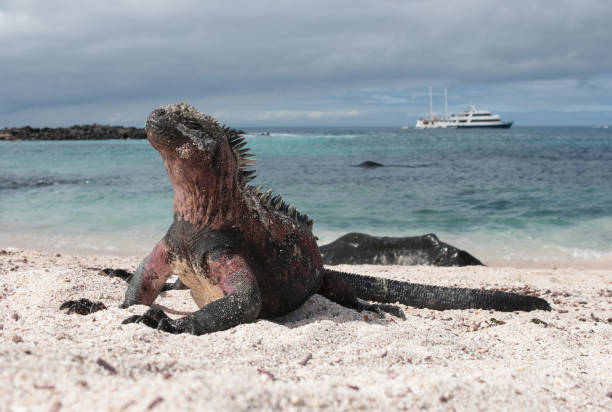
(93, 54)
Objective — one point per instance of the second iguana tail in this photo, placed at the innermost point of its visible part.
(436, 297)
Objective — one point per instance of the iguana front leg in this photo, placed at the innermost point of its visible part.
(149, 279)
(240, 301)
(143, 286)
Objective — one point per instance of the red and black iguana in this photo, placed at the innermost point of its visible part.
(246, 254)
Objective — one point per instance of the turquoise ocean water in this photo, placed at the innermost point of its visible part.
(523, 196)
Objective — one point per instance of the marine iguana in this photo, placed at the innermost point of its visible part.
(246, 254)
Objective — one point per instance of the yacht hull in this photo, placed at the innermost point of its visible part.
(502, 125)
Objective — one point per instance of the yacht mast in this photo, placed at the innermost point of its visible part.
(430, 106)
(445, 105)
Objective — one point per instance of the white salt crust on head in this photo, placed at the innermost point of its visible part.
(200, 138)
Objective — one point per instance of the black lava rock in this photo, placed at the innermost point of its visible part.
(82, 132)
(368, 164)
(363, 249)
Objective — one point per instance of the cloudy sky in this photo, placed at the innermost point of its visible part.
(304, 63)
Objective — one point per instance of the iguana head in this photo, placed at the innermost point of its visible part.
(181, 128)
(204, 160)
(207, 164)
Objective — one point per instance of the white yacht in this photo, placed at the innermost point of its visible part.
(473, 117)
(435, 122)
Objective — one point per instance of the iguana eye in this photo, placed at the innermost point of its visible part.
(192, 124)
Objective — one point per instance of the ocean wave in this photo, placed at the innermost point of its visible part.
(314, 135)
(8, 183)
(251, 135)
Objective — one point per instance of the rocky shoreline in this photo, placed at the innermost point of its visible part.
(77, 132)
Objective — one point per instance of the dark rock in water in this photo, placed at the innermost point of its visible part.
(368, 164)
(363, 249)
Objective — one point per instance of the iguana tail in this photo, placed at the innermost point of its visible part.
(436, 297)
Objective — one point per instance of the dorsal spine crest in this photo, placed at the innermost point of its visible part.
(245, 160)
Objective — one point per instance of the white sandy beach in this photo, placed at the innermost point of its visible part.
(320, 356)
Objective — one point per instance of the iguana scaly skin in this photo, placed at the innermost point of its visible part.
(245, 254)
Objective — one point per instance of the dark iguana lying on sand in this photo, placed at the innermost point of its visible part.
(246, 254)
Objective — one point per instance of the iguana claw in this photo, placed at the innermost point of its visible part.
(156, 319)
(382, 308)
